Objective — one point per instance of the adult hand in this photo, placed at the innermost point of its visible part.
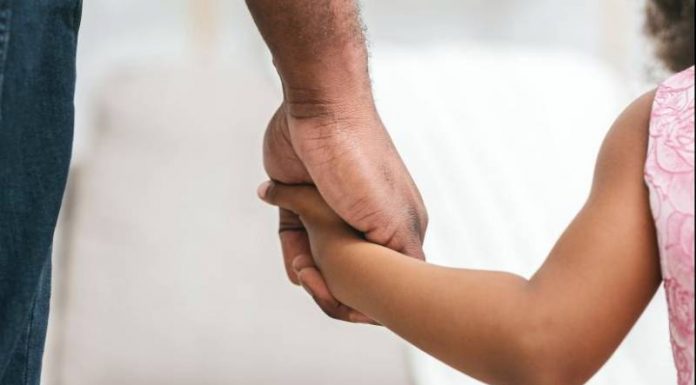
(328, 133)
(345, 151)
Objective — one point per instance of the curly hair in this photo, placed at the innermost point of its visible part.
(671, 24)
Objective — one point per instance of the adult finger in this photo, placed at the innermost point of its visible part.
(414, 248)
(294, 198)
(294, 241)
(313, 281)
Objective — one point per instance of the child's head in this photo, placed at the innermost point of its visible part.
(671, 23)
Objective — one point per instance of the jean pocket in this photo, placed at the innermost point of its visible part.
(5, 15)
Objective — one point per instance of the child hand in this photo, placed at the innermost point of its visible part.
(327, 234)
(326, 229)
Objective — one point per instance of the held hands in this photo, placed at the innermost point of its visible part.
(326, 231)
(344, 150)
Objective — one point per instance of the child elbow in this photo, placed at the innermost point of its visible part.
(547, 362)
(550, 376)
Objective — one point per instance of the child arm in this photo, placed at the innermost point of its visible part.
(559, 327)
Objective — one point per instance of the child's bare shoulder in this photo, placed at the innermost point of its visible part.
(624, 151)
(633, 124)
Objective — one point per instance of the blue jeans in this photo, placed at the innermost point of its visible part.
(38, 40)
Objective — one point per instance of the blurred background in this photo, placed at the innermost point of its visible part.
(168, 270)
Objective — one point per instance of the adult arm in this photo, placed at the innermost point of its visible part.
(327, 132)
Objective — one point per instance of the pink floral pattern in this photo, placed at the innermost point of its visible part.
(669, 174)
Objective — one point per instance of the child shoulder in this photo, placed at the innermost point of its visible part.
(637, 115)
(628, 137)
(624, 152)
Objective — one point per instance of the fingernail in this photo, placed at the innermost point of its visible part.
(296, 264)
(263, 189)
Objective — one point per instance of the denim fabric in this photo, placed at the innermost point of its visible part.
(38, 40)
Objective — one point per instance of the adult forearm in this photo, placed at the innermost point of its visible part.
(318, 47)
(475, 321)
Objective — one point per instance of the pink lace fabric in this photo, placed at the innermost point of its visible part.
(670, 177)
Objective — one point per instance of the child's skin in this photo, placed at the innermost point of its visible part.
(560, 327)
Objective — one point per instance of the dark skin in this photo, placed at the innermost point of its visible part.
(559, 327)
(328, 133)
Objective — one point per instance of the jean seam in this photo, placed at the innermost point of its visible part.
(30, 330)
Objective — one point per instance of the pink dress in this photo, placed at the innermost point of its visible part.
(670, 177)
